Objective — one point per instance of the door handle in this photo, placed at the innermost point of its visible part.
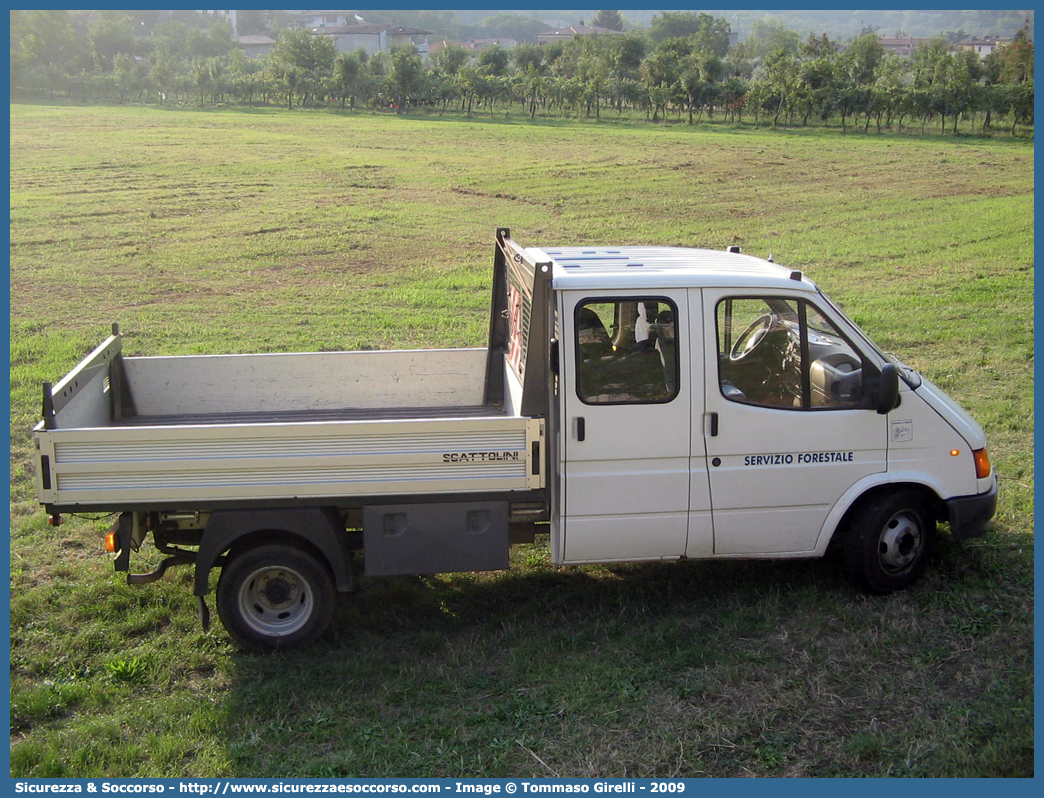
(714, 425)
(581, 428)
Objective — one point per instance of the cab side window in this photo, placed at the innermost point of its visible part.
(626, 351)
(777, 352)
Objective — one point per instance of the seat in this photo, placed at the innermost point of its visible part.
(592, 336)
(644, 325)
(666, 346)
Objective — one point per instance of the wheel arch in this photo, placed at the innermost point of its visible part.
(865, 490)
(317, 529)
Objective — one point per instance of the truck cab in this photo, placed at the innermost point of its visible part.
(710, 404)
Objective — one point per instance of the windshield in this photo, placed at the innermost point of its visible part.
(911, 377)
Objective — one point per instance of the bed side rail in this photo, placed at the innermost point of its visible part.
(93, 393)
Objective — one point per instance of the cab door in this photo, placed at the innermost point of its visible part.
(625, 400)
(790, 422)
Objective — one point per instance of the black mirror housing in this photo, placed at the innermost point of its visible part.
(886, 396)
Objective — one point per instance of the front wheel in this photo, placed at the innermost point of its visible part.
(275, 597)
(888, 541)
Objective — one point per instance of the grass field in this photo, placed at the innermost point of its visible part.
(248, 231)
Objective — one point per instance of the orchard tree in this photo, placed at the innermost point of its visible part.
(594, 75)
(929, 62)
(126, 77)
(302, 49)
(733, 95)
(407, 73)
(528, 58)
(449, 60)
(1020, 101)
(817, 77)
(467, 80)
(864, 56)
(201, 80)
(494, 61)
(933, 67)
(664, 65)
(162, 76)
(529, 68)
(1016, 59)
(625, 55)
(347, 71)
(662, 72)
(304, 62)
(859, 66)
(781, 80)
(701, 76)
(891, 91)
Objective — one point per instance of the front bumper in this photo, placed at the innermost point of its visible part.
(970, 515)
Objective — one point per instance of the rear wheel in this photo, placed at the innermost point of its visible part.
(275, 597)
(888, 541)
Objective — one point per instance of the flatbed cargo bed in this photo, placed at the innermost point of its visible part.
(223, 430)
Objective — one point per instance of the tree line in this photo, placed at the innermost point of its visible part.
(680, 68)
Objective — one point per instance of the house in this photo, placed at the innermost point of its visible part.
(984, 46)
(375, 38)
(436, 47)
(478, 45)
(255, 46)
(572, 31)
(324, 19)
(302, 19)
(902, 45)
(905, 45)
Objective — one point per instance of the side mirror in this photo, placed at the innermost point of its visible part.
(886, 396)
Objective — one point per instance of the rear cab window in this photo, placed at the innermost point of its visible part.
(626, 350)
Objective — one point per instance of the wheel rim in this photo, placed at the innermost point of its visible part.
(901, 542)
(275, 601)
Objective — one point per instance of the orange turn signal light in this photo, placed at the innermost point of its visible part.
(110, 542)
(982, 463)
(954, 452)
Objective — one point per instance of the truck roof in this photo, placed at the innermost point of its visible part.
(600, 267)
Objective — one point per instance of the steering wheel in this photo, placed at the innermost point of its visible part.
(752, 336)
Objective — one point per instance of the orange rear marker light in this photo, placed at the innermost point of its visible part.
(982, 463)
(110, 542)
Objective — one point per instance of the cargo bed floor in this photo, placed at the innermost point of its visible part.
(298, 416)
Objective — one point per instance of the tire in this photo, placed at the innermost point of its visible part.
(888, 541)
(275, 597)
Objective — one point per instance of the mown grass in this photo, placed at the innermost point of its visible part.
(245, 231)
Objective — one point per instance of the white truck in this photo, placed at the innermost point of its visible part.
(638, 403)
